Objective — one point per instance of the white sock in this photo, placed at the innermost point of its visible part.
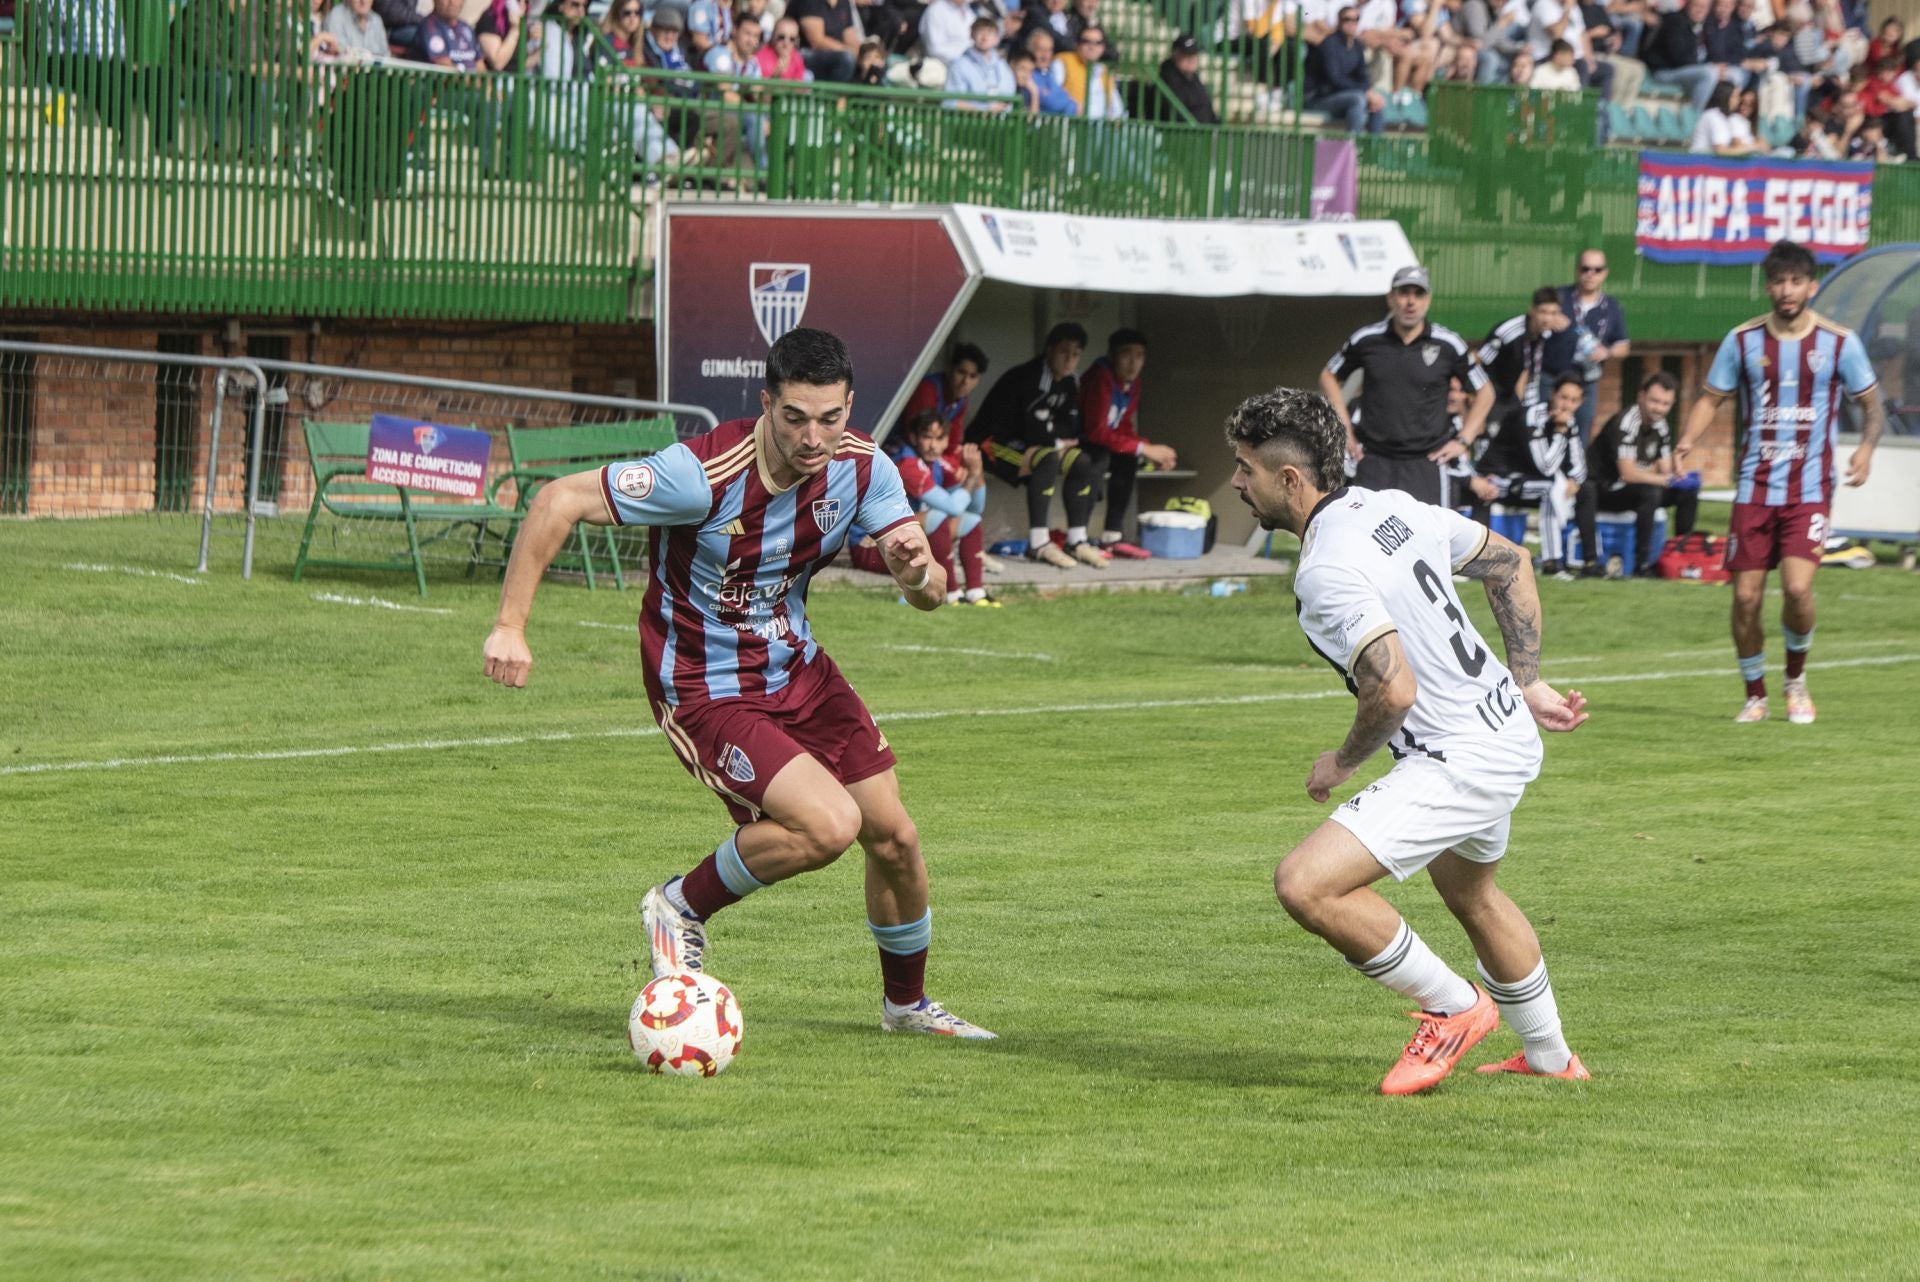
(1076, 534)
(1410, 968)
(895, 1009)
(953, 596)
(1529, 1009)
(677, 896)
(1038, 537)
(976, 594)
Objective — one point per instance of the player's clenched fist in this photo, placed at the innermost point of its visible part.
(906, 550)
(507, 659)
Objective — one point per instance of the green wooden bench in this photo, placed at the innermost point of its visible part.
(337, 453)
(542, 454)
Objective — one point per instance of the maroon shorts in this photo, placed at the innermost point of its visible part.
(1759, 536)
(736, 746)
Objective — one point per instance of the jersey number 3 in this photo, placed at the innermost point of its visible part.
(1436, 591)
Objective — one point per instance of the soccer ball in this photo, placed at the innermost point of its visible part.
(685, 1024)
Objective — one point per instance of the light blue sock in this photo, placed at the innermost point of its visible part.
(1801, 641)
(733, 869)
(1753, 666)
(906, 938)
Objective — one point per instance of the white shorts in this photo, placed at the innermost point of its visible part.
(1422, 808)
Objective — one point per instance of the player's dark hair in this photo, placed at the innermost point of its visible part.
(1065, 332)
(1125, 338)
(1543, 295)
(1019, 55)
(810, 356)
(969, 352)
(1788, 259)
(1300, 422)
(1569, 376)
(922, 423)
(1660, 378)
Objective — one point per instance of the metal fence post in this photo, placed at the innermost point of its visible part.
(213, 452)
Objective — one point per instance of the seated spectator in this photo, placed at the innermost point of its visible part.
(1538, 460)
(1179, 74)
(1810, 46)
(1627, 21)
(949, 499)
(830, 36)
(1109, 423)
(1043, 15)
(894, 23)
(1084, 14)
(946, 29)
(1677, 54)
(1562, 20)
(1337, 79)
(1088, 80)
(1048, 76)
(945, 395)
(357, 31)
(1726, 42)
(740, 56)
(1882, 100)
(1775, 61)
(1506, 36)
(620, 28)
(981, 70)
(1722, 131)
(1889, 43)
(780, 58)
(1389, 44)
(1025, 87)
(1869, 142)
(1630, 469)
(442, 39)
(1847, 44)
(497, 28)
(1607, 35)
(401, 18)
(1558, 72)
(870, 64)
(1464, 66)
(1028, 432)
(1520, 70)
(701, 130)
(709, 27)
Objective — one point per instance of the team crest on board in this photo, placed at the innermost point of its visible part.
(738, 765)
(1430, 353)
(635, 482)
(426, 438)
(1817, 362)
(826, 514)
(778, 292)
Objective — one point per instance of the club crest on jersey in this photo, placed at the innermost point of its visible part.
(778, 292)
(1817, 362)
(635, 482)
(426, 438)
(826, 514)
(1430, 353)
(738, 765)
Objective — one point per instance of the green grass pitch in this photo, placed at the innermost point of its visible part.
(357, 1010)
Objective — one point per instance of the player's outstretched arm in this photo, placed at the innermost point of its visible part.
(1384, 689)
(1507, 574)
(557, 508)
(910, 560)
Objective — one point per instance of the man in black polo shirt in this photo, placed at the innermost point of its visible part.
(1630, 469)
(1406, 437)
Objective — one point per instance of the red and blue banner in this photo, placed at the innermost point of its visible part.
(1730, 209)
(428, 456)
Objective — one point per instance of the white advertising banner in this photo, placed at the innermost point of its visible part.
(1201, 259)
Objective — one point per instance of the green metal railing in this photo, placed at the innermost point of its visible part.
(211, 165)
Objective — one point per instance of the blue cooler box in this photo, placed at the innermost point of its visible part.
(1177, 536)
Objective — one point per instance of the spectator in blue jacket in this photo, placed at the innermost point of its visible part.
(1054, 98)
(981, 69)
(1337, 80)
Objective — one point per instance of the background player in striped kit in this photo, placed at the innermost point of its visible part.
(1790, 368)
(1376, 600)
(741, 519)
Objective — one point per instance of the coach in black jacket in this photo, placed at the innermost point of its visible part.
(1180, 79)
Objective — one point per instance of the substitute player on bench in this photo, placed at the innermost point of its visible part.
(741, 519)
(1376, 600)
(1790, 367)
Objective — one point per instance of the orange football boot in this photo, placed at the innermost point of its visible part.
(1575, 1071)
(1438, 1045)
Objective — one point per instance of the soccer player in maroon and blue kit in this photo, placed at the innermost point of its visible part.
(1790, 367)
(741, 519)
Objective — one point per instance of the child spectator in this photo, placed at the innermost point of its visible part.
(1109, 424)
(1881, 99)
(870, 66)
(945, 395)
(949, 499)
(1558, 73)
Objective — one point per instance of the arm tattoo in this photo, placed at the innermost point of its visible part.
(1873, 418)
(1516, 606)
(1374, 720)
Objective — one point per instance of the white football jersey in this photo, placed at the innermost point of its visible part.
(1380, 561)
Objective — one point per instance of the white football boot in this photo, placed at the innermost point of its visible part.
(677, 940)
(930, 1017)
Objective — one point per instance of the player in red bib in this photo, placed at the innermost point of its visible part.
(1791, 368)
(741, 519)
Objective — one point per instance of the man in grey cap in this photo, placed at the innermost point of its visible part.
(1400, 436)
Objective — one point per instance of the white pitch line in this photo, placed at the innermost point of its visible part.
(92, 568)
(1030, 710)
(378, 603)
(615, 627)
(1035, 655)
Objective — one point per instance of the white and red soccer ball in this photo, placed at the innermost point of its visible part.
(685, 1024)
